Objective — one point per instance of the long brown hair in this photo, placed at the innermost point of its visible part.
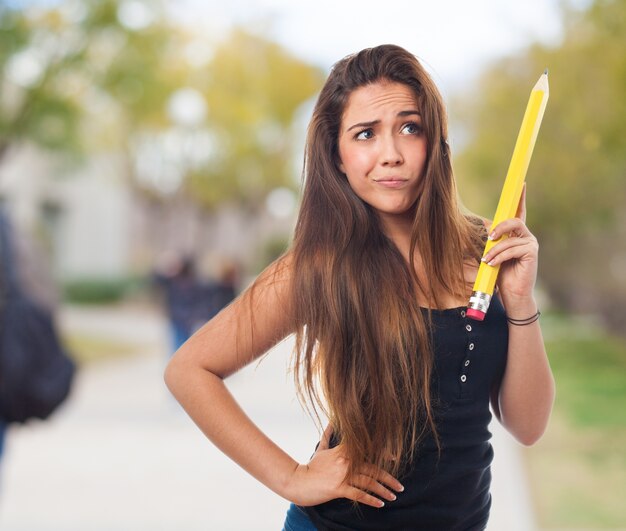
(361, 332)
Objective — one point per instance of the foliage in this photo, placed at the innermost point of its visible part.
(78, 76)
(99, 290)
(576, 185)
(61, 63)
(31, 106)
(253, 88)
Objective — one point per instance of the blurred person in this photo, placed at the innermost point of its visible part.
(217, 293)
(176, 275)
(36, 372)
(375, 286)
(34, 271)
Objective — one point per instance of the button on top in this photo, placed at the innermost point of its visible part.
(468, 328)
(463, 378)
(462, 313)
(471, 346)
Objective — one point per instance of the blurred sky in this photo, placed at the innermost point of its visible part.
(454, 38)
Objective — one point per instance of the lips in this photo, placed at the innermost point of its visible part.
(391, 182)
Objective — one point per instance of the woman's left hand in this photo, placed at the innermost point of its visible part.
(517, 255)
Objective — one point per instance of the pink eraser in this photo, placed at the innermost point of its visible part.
(477, 315)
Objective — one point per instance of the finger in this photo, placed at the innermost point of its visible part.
(521, 207)
(325, 440)
(368, 483)
(352, 493)
(511, 253)
(507, 243)
(512, 226)
(384, 477)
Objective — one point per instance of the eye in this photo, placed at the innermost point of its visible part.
(366, 134)
(411, 128)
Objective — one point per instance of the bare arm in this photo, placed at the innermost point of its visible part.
(526, 395)
(527, 390)
(239, 334)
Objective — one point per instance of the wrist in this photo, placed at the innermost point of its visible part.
(519, 307)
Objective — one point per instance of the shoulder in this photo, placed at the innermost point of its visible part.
(279, 273)
(477, 229)
(473, 231)
(273, 287)
(478, 221)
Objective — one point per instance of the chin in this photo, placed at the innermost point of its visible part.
(396, 212)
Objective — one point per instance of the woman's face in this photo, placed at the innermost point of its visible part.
(382, 147)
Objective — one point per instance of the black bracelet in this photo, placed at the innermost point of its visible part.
(524, 322)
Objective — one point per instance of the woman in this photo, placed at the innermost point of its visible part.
(382, 264)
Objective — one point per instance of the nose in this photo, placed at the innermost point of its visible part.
(390, 154)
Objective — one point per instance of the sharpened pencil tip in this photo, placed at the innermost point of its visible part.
(545, 71)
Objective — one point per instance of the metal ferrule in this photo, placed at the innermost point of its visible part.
(479, 301)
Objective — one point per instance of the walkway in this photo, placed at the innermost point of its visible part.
(121, 456)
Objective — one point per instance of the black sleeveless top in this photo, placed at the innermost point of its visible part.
(450, 491)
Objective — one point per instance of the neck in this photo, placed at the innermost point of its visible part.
(398, 229)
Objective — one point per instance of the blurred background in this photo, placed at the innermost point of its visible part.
(150, 146)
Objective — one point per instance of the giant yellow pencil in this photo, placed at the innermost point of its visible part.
(511, 193)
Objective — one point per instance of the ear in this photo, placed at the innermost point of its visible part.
(341, 167)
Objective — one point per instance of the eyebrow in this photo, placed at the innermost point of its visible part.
(401, 114)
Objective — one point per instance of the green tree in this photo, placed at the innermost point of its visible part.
(576, 185)
(32, 105)
(63, 64)
(92, 76)
(116, 77)
(253, 88)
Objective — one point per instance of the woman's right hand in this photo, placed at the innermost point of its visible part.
(324, 479)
